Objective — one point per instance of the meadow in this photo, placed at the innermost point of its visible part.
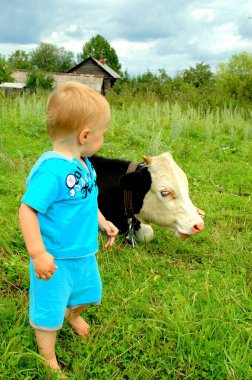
(172, 308)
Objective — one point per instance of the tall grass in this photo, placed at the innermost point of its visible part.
(172, 309)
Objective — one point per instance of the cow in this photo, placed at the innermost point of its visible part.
(134, 195)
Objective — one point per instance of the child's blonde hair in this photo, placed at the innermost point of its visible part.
(73, 106)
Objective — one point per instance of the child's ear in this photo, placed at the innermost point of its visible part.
(82, 138)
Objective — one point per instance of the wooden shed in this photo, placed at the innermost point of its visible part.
(10, 88)
(98, 68)
(91, 81)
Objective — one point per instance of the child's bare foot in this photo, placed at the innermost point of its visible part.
(53, 364)
(80, 326)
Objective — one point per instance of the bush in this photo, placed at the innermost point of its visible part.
(37, 79)
(5, 70)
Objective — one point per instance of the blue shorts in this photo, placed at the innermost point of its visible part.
(75, 282)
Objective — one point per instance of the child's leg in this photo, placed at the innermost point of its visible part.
(75, 320)
(87, 289)
(46, 345)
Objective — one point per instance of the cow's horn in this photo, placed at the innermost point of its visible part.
(200, 212)
(148, 160)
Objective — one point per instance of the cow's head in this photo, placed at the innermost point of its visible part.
(167, 203)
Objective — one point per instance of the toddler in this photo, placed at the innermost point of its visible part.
(59, 217)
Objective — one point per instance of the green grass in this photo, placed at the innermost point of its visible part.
(172, 309)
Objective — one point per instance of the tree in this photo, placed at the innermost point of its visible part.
(235, 77)
(99, 47)
(66, 59)
(5, 70)
(198, 76)
(19, 60)
(49, 57)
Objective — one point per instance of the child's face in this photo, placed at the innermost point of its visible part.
(94, 140)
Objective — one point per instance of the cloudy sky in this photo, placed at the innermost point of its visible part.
(146, 34)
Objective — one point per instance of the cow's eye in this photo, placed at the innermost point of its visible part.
(166, 194)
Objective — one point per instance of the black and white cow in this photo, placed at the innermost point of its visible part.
(135, 195)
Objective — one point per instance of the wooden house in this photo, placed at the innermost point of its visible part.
(98, 68)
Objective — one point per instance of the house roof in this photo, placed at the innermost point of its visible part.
(104, 66)
(13, 85)
(113, 73)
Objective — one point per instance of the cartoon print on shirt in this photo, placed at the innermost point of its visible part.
(76, 182)
(70, 181)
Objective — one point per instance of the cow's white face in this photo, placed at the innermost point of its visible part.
(167, 203)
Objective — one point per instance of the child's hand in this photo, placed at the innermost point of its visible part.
(111, 230)
(44, 265)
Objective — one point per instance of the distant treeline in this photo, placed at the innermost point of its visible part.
(230, 85)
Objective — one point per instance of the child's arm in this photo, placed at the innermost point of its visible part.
(108, 227)
(43, 261)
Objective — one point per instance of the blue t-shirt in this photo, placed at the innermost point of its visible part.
(64, 194)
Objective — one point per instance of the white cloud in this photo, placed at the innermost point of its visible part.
(202, 14)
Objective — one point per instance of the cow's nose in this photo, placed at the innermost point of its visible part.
(197, 228)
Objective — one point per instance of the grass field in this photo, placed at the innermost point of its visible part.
(172, 309)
